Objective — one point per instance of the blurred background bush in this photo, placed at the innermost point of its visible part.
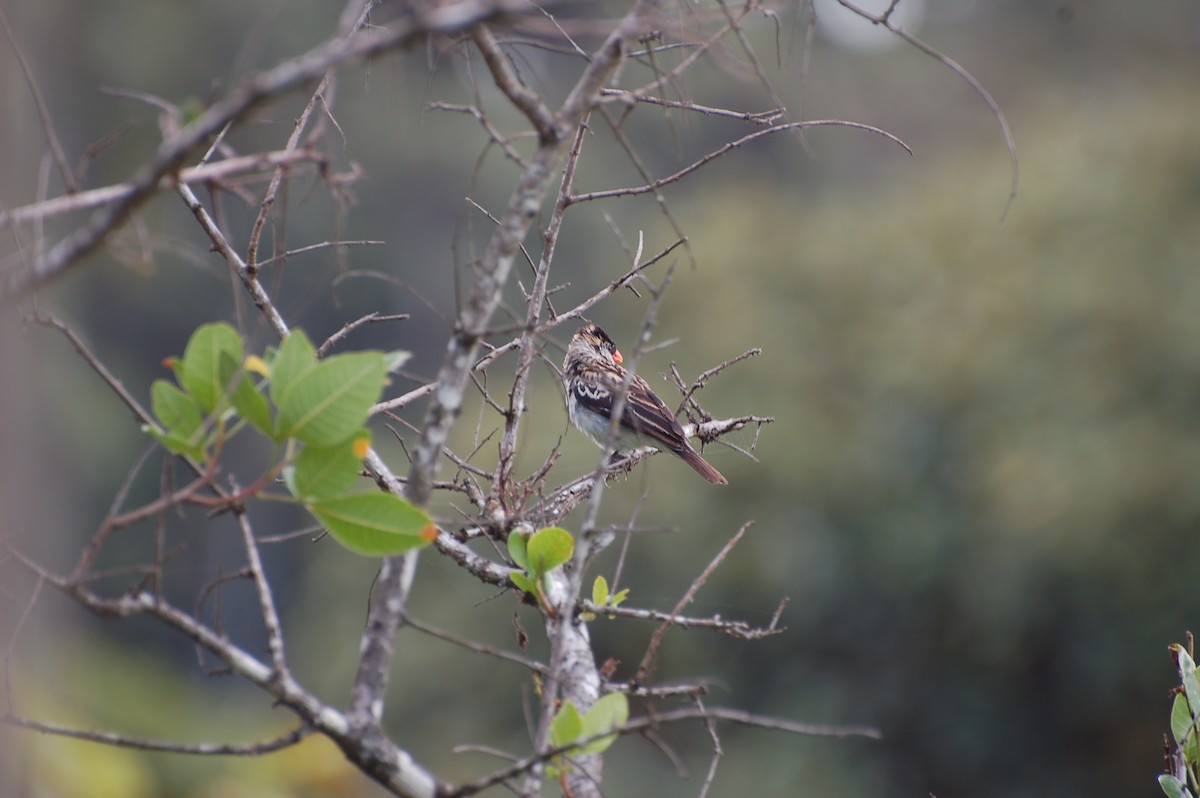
(980, 494)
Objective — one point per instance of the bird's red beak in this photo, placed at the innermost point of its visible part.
(617, 356)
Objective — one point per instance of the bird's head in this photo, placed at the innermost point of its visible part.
(592, 342)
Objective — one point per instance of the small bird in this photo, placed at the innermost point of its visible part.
(593, 378)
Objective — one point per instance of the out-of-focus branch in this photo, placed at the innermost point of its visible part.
(649, 663)
(885, 19)
(249, 278)
(525, 99)
(731, 145)
(43, 112)
(440, 18)
(389, 765)
(528, 344)
(170, 746)
(209, 172)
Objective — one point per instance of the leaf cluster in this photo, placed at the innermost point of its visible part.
(313, 411)
(536, 555)
(608, 714)
(1185, 721)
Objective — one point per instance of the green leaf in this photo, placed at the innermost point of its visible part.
(328, 471)
(329, 402)
(177, 444)
(1181, 720)
(1173, 787)
(1187, 674)
(294, 358)
(547, 549)
(374, 524)
(176, 411)
(517, 542)
(213, 355)
(522, 580)
(567, 725)
(600, 591)
(251, 405)
(620, 596)
(609, 713)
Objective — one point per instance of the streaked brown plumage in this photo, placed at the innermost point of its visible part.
(593, 378)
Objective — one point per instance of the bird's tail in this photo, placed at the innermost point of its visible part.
(689, 456)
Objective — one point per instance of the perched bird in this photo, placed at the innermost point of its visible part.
(593, 377)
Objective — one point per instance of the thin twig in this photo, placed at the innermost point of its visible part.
(525, 99)
(170, 746)
(645, 669)
(731, 145)
(884, 19)
(206, 173)
(739, 629)
(43, 111)
(288, 75)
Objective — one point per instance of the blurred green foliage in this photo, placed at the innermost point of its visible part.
(979, 494)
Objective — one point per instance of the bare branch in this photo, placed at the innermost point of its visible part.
(376, 755)
(471, 645)
(739, 629)
(43, 112)
(528, 350)
(884, 19)
(350, 326)
(705, 376)
(732, 145)
(249, 279)
(756, 117)
(645, 670)
(287, 76)
(650, 722)
(209, 172)
(266, 600)
(526, 100)
(125, 741)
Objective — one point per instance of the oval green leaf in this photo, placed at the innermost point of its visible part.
(1173, 787)
(517, 545)
(294, 358)
(374, 524)
(331, 401)
(600, 591)
(522, 580)
(567, 725)
(251, 405)
(549, 548)
(328, 471)
(1187, 674)
(176, 411)
(213, 355)
(609, 713)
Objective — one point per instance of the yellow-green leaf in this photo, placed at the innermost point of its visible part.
(609, 713)
(567, 725)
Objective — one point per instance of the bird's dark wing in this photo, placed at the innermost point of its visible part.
(593, 393)
(648, 415)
